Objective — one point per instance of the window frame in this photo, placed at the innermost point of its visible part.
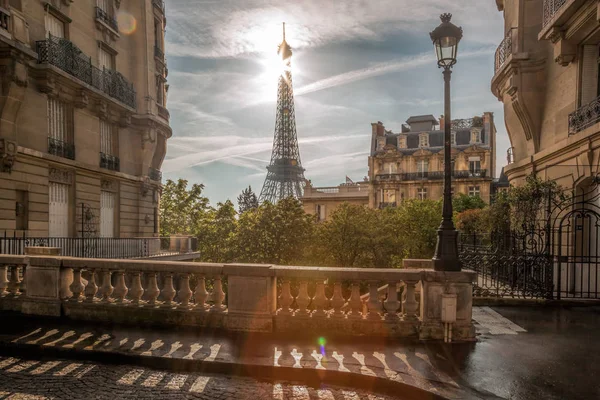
(422, 193)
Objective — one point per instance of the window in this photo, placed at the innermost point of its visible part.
(107, 214)
(389, 196)
(390, 168)
(22, 210)
(401, 196)
(474, 165)
(60, 120)
(474, 191)
(106, 138)
(422, 167)
(58, 224)
(106, 59)
(158, 34)
(476, 136)
(54, 26)
(320, 211)
(402, 142)
(590, 81)
(104, 5)
(423, 140)
(380, 143)
(422, 193)
(160, 90)
(453, 138)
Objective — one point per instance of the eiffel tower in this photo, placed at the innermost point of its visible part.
(285, 175)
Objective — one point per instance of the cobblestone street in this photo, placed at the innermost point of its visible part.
(57, 379)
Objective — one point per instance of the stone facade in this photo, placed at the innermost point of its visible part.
(83, 123)
(546, 74)
(323, 201)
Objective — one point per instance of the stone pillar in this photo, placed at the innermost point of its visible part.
(434, 285)
(251, 297)
(43, 279)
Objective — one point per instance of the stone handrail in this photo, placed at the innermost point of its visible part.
(247, 297)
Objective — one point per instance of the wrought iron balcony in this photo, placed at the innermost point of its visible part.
(109, 162)
(388, 204)
(584, 117)
(389, 177)
(417, 176)
(160, 4)
(66, 56)
(551, 8)
(4, 19)
(479, 173)
(503, 51)
(158, 53)
(62, 149)
(468, 123)
(109, 20)
(154, 174)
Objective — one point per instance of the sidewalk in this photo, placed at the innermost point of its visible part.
(411, 370)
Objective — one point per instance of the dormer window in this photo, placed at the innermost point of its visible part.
(390, 168)
(380, 143)
(423, 140)
(402, 142)
(475, 135)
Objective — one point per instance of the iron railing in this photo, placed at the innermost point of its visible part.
(503, 51)
(467, 123)
(109, 162)
(62, 149)
(431, 175)
(160, 4)
(4, 19)
(158, 53)
(66, 56)
(387, 204)
(584, 117)
(154, 174)
(108, 19)
(551, 8)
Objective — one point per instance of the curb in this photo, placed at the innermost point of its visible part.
(502, 301)
(308, 376)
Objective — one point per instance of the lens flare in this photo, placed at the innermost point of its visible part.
(127, 22)
(322, 343)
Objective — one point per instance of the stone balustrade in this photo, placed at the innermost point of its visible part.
(246, 297)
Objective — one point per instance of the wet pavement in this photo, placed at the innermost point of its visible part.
(526, 352)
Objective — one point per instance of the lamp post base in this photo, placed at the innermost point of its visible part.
(446, 252)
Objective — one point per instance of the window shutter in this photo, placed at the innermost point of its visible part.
(589, 74)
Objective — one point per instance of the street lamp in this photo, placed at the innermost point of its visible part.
(445, 41)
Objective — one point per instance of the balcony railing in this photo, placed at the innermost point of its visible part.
(163, 112)
(584, 117)
(160, 4)
(503, 51)
(62, 149)
(109, 20)
(66, 56)
(551, 8)
(431, 175)
(158, 53)
(4, 19)
(387, 204)
(109, 162)
(154, 174)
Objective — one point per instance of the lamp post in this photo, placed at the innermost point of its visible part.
(445, 41)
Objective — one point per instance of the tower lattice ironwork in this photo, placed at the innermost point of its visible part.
(285, 175)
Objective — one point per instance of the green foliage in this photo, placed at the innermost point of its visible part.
(418, 222)
(216, 234)
(247, 200)
(473, 221)
(181, 209)
(463, 202)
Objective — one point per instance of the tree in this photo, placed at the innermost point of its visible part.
(463, 202)
(181, 209)
(419, 221)
(216, 234)
(473, 221)
(247, 200)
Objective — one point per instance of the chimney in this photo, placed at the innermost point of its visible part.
(442, 121)
(380, 128)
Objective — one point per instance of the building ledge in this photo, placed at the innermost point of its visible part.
(554, 19)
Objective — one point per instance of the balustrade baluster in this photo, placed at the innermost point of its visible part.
(3, 279)
(106, 290)
(168, 291)
(218, 295)
(303, 299)
(121, 288)
(355, 303)
(13, 281)
(76, 287)
(374, 304)
(285, 299)
(337, 301)
(392, 304)
(23, 283)
(137, 291)
(320, 300)
(410, 304)
(185, 293)
(152, 290)
(200, 293)
(91, 288)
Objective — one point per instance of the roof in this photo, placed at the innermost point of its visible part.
(422, 118)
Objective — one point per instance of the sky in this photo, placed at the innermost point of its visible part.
(355, 62)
